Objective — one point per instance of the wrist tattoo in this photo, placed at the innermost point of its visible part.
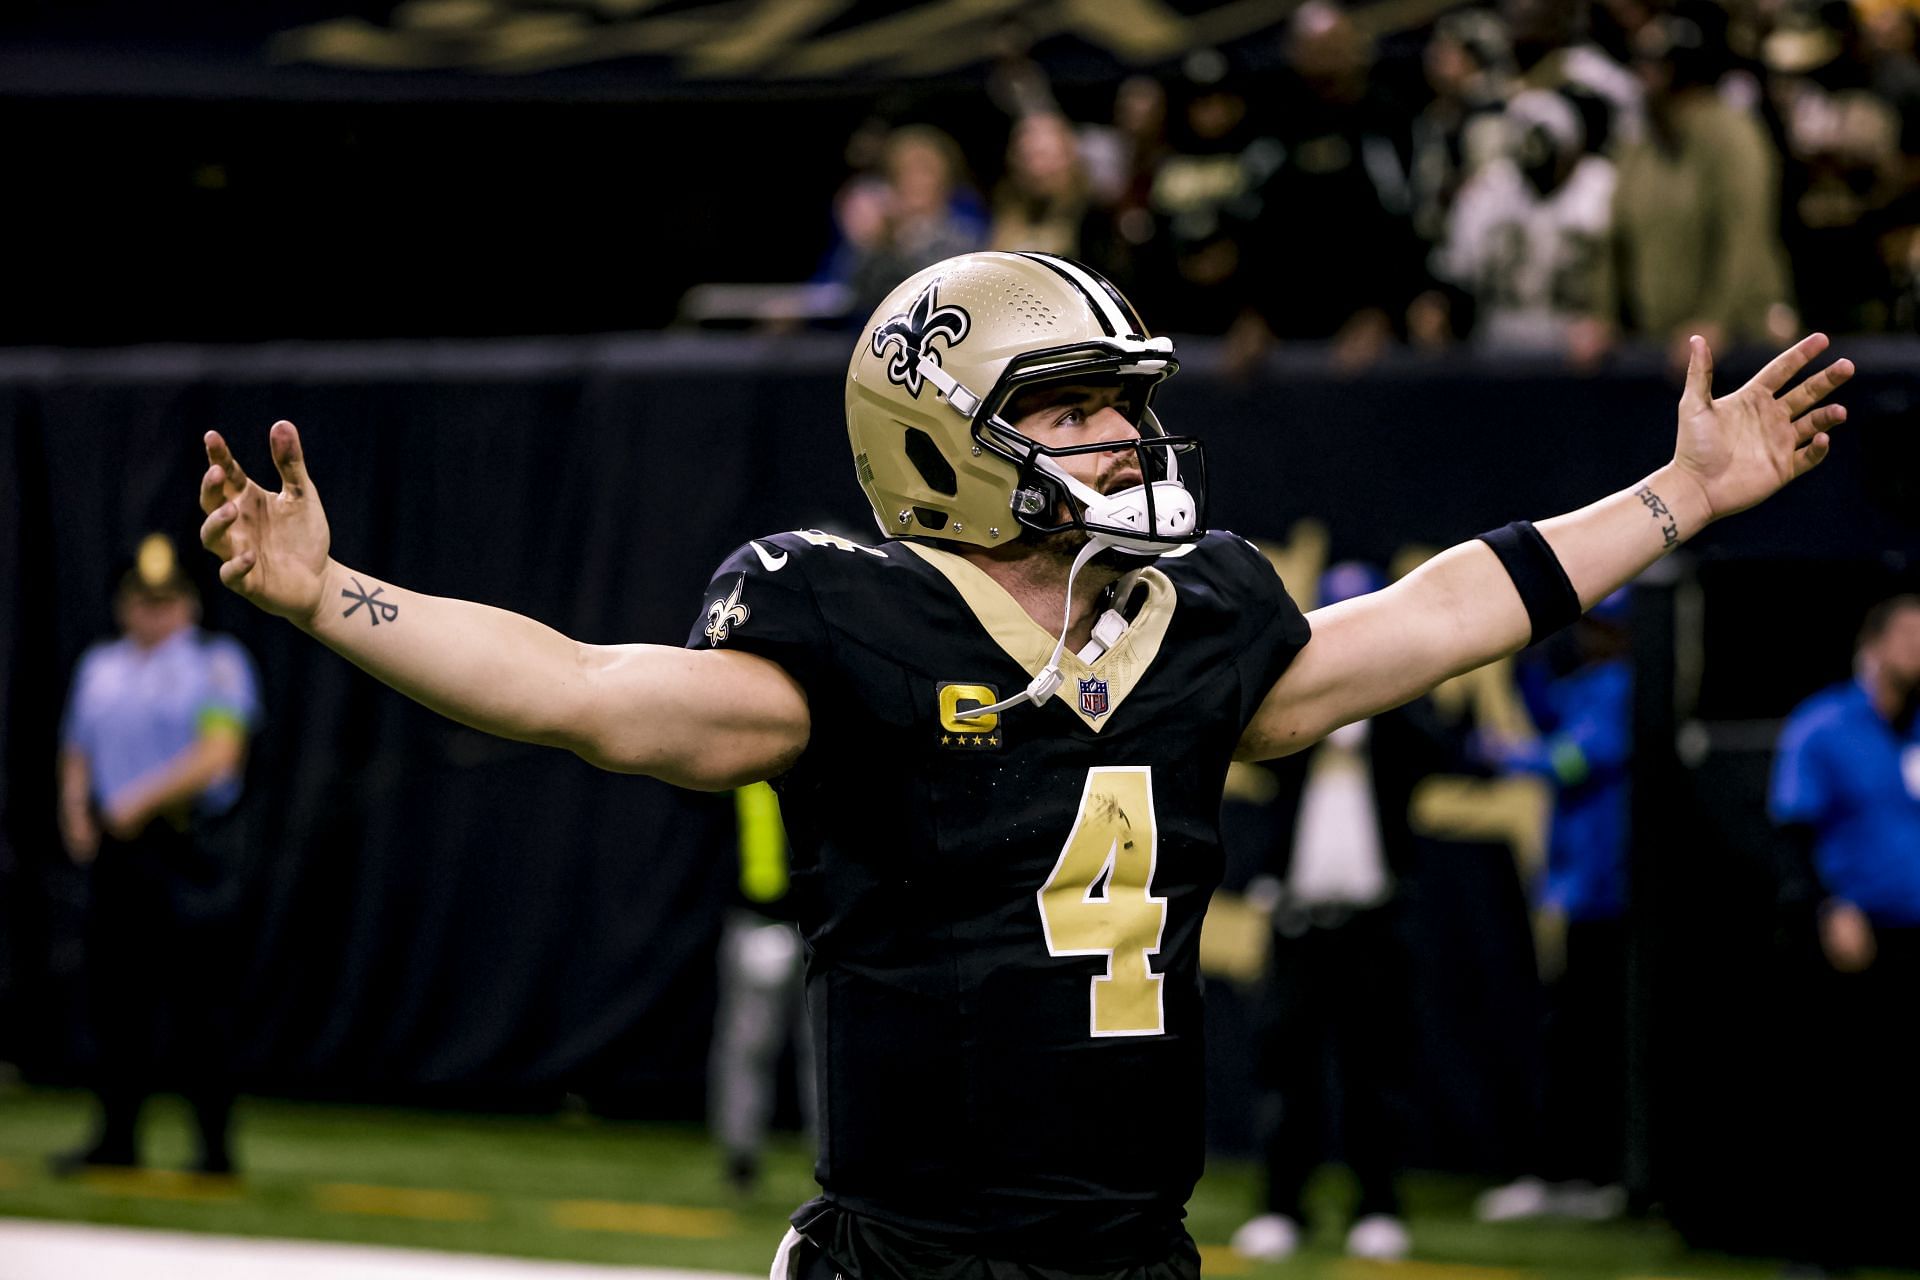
(1659, 510)
(377, 609)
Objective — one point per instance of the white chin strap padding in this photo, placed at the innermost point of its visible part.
(1122, 519)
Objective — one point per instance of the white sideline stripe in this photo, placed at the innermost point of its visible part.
(66, 1251)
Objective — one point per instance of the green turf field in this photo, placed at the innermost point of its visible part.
(595, 1191)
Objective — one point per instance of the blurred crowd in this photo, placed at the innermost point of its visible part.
(1543, 177)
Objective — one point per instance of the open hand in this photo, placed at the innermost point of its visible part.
(1746, 446)
(273, 546)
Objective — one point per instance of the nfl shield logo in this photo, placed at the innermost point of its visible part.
(1093, 697)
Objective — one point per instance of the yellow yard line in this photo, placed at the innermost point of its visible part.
(1414, 1269)
(642, 1219)
(1219, 1260)
(402, 1202)
(162, 1184)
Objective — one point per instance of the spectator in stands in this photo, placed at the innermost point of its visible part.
(1579, 689)
(1696, 234)
(1121, 159)
(860, 213)
(1890, 30)
(1551, 53)
(1846, 793)
(151, 756)
(1527, 242)
(1613, 25)
(1850, 126)
(927, 215)
(1339, 975)
(1333, 171)
(1188, 267)
(1121, 156)
(1042, 203)
(1468, 63)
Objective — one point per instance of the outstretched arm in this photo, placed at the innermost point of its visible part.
(1460, 610)
(709, 720)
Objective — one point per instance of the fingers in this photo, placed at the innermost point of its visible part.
(213, 531)
(236, 569)
(1699, 392)
(220, 456)
(288, 457)
(1817, 388)
(1809, 456)
(213, 488)
(224, 476)
(1781, 369)
(1822, 419)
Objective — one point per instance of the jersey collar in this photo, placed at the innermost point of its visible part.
(1029, 644)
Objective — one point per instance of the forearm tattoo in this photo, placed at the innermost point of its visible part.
(377, 609)
(1659, 510)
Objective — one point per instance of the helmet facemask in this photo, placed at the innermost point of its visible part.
(1163, 512)
(1152, 517)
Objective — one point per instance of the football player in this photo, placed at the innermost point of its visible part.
(1000, 735)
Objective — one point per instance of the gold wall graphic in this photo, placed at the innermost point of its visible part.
(755, 39)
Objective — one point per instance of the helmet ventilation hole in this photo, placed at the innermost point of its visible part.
(930, 518)
(932, 465)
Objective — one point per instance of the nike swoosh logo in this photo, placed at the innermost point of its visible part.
(774, 562)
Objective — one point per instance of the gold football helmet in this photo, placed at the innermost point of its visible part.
(939, 360)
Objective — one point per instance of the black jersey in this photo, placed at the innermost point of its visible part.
(1003, 914)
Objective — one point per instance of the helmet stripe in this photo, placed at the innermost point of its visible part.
(1098, 298)
(1129, 318)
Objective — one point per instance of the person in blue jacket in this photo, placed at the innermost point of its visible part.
(1846, 790)
(1846, 796)
(1579, 691)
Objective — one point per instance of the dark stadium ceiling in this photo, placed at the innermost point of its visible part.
(608, 49)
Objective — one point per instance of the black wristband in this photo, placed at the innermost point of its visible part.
(1544, 588)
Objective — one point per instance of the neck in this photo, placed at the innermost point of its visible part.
(148, 643)
(1035, 575)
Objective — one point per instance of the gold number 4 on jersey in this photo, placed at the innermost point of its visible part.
(1099, 900)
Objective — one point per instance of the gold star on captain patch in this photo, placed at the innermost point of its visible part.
(993, 742)
(945, 741)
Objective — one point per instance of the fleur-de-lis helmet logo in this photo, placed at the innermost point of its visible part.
(725, 614)
(911, 335)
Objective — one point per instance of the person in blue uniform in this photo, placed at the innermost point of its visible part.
(151, 755)
(1000, 736)
(1846, 790)
(1579, 690)
(1846, 794)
